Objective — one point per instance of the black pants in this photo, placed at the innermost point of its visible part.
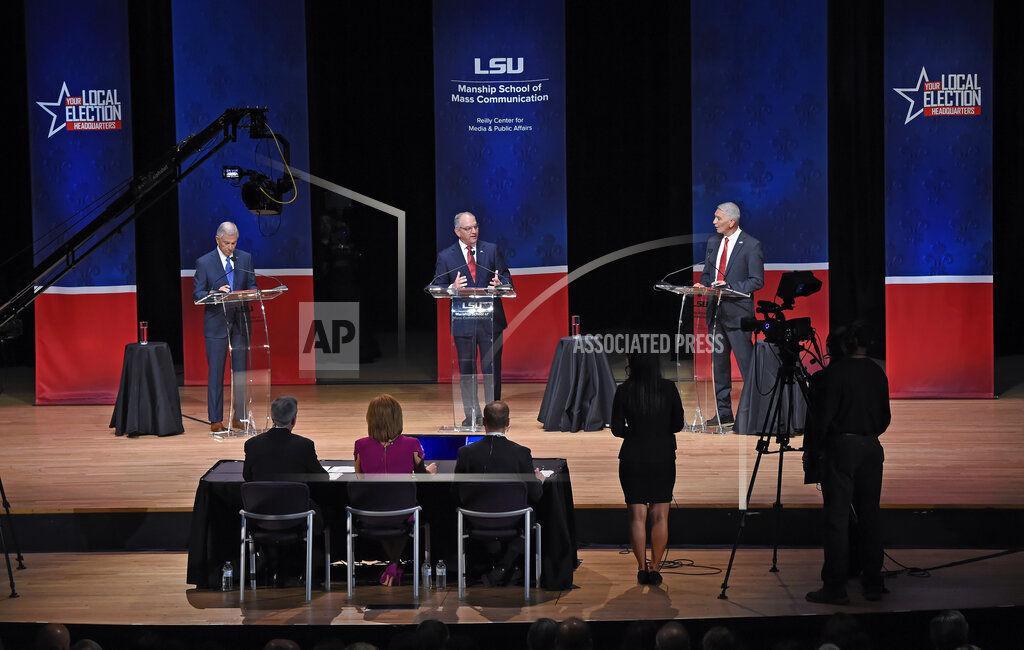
(737, 341)
(853, 476)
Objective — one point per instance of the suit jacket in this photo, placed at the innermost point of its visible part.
(744, 272)
(489, 259)
(279, 454)
(209, 276)
(499, 455)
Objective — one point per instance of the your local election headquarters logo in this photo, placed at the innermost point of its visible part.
(952, 95)
(92, 110)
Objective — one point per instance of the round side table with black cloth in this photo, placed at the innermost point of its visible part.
(580, 389)
(750, 417)
(147, 401)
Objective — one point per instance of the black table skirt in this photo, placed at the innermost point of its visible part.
(214, 536)
(579, 392)
(754, 402)
(147, 400)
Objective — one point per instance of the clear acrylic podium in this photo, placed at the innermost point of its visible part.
(700, 381)
(249, 397)
(472, 314)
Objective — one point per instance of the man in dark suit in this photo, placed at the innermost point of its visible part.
(733, 260)
(279, 454)
(496, 454)
(224, 269)
(473, 263)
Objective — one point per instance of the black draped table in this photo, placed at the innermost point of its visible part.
(754, 402)
(147, 400)
(580, 388)
(214, 536)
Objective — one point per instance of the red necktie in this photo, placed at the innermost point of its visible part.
(723, 261)
(471, 263)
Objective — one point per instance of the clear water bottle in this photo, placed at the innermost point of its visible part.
(425, 576)
(442, 576)
(227, 577)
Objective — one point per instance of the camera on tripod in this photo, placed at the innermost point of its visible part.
(774, 326)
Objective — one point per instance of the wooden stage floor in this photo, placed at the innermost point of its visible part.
(149, 589)
(63, 459)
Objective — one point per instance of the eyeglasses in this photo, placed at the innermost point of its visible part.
(469, 228)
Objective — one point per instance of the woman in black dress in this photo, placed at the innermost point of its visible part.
(646, 414)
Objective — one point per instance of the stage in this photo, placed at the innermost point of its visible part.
(949, 454)
(75, 487)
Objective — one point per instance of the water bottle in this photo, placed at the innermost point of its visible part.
(425, 576)
(227, 577)
(442, 576)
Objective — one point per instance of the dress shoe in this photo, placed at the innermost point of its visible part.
(875, 593)
(238, 425)
(724, 422)
(496, 577)
(217, 427)
(827, 597)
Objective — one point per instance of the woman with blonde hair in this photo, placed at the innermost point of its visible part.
(387, 451)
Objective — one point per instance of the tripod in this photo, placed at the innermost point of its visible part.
(790, 374)
(14, 538)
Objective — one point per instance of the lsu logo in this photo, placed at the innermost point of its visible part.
(499, 65)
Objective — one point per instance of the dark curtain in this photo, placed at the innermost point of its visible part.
(157, 249)
(856, 166)
(628, 157)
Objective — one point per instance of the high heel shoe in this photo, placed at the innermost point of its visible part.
(392, 576)
(642, 577)
(653, 577)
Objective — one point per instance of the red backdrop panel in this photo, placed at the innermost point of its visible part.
(939, 340)
(283, 322)
(80, 341)
(527, 352)
(815, 306)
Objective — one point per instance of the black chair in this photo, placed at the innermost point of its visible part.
(280, 513)
(497, 511)
(381, 510)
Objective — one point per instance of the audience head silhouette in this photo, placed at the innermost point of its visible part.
(672, 636)
(574, 634)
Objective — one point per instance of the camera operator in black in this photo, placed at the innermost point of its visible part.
(853, 410)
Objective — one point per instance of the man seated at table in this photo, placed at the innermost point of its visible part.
(496, 454)
(278, 454)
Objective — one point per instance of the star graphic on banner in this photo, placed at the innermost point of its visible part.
(902, 92)
(60, 102)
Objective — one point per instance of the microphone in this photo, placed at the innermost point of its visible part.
(502, 280)
(668, 275)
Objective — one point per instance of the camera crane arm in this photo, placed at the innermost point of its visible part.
(143, 191)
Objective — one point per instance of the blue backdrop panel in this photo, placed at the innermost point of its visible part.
(80, 141)
(227, 56)
(81, 151)
(938, 168)
(504, 162)
(760, 130)
(938, 199)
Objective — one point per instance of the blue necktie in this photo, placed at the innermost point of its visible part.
(230, 272)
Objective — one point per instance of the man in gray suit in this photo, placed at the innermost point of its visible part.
(733, 261)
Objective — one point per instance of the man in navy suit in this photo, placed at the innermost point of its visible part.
(733, 261)
(224, 269)
(470, 262)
